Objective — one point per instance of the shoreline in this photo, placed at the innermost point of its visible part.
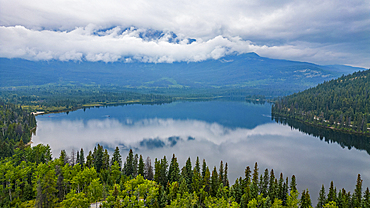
(322, 126)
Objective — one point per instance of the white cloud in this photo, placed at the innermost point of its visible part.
(317, 31)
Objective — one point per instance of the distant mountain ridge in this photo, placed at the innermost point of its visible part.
(243, 72)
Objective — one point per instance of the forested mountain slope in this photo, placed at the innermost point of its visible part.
(343, 103)
(248, 72)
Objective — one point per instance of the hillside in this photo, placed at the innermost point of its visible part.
(247, 72)
(343, 103)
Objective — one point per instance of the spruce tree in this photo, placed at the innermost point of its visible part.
(254, 185)
(77, 157)
(366, 199)
(197, 165)
(129, 168)
(321, 201)
(164, 172)
(141, 166)
(204, 167)
(305, 200)
(189, 172)
(357, 195)
(98, 160)
(117, 157)
(214, 182)
(174, 170)
(134, 165)
(293, 184)
(82, 157)
(221, 172)
(226, 180)
(332, 195)
(206, 180)
(264, 183)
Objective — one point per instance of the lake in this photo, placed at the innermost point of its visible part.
(238, 133)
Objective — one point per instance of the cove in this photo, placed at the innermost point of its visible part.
(238, 133)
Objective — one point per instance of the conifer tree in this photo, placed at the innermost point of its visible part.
(195, 184)
(247, 179)
(89, 160)
(214, 182)
(77, 157)
(174, 170)
(254, 185)
(141, 166)
(106, 161)
(134, 165)
(272, 186)
(357, 195)
(82, 157)
(293, 184)
(204, 167)
(305, 200)
(280, 187)
(157, 170)
(366, 199)
(221, 172)
(129, 164)
(321, 201)
(197, 165)
(163, 172)
(264, 183)
(117, 157)
(332, 195)
(226, 180)
(206, 180)
(98, 160)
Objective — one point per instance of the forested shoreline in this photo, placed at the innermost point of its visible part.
(341, 104)
(51, 99)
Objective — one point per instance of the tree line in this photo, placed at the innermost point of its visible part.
(342, 104)
(16, 125)
(52, 98)
(31, 178)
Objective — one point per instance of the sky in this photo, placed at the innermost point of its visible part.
(321, 32)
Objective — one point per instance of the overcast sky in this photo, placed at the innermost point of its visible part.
(322, 32)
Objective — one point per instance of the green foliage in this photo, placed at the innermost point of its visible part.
(341, 104)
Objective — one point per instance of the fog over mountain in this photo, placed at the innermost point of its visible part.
(322, 32)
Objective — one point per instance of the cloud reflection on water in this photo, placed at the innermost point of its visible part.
(272, 145)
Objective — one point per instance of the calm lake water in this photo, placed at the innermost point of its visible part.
(238, 133)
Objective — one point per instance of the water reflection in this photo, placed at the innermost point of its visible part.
(345, 140)
(237, 133)
(272, 145)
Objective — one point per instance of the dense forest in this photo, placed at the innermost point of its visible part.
(31, 178)
(16, 127)
(342, 104)
(54, 98)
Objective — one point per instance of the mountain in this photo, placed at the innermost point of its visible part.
(246, 72)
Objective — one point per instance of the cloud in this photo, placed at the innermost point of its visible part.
(324, 32)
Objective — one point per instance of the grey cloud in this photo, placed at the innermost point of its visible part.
(333, 29)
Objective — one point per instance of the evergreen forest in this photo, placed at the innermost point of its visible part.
(342, 104)
(31, 178)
